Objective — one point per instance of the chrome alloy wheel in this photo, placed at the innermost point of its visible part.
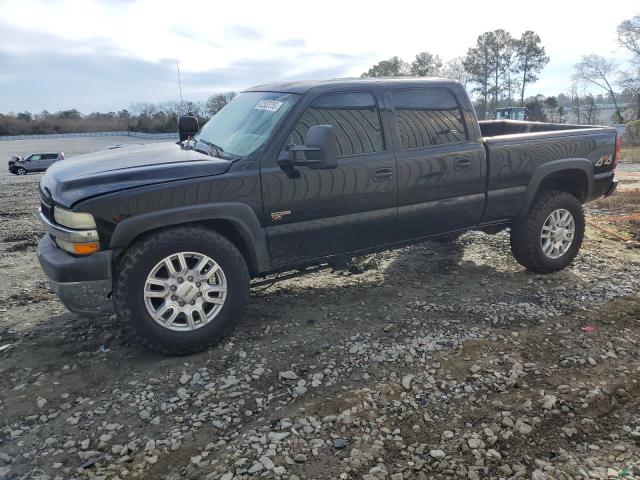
(557, 233)
(185, 291)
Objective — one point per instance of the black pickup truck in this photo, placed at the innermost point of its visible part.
(294, 175)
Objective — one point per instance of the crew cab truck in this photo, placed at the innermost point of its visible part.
(293, 175)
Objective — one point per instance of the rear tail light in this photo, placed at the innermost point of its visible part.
(618, 151)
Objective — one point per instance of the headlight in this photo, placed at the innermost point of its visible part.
(77, 220)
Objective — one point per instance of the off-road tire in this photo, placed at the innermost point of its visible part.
(525, 233)
(138, 261)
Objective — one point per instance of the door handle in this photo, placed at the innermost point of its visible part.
(462, 164)
(382, 174)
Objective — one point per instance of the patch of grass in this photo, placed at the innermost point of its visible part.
(621, 202)
(621, 211)
(630, 154)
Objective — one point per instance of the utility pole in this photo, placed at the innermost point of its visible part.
(179, 83)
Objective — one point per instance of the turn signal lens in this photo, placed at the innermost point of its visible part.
(85, 248)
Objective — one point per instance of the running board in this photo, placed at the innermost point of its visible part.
(288, 275)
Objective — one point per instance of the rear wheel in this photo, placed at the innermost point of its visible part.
(550, 236)
(182, 289)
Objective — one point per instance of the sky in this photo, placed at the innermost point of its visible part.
(103, 55)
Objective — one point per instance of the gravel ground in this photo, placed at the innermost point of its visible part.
(435, 361)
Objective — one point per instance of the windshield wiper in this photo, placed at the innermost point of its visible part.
(191, 144)
(219, 151)
(213, 151)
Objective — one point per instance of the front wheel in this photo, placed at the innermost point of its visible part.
(549, 237)
(182, 289)
(21, 171)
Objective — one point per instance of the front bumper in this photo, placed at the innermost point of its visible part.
(83, 284)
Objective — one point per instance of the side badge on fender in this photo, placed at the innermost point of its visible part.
(276, 216)
(604, 160)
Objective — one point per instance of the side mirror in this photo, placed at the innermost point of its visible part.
(187, 127)
(320, 150)
(323, 138)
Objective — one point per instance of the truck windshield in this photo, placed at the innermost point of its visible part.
(245, 123)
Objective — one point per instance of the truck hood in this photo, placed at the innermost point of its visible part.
(69, 181)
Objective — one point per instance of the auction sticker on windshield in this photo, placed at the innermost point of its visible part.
(269, 105)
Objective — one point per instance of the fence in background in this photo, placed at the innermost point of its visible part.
(157, 136)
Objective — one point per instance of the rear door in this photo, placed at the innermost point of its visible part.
(441, 168)
(316, 213)
(47, 160)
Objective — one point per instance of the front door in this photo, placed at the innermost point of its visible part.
(317, 213)
(441, 170)
(32, 163)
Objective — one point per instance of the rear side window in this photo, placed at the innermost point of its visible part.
(429, 116)
(49, 156)
(354, 116)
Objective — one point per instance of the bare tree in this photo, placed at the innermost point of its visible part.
(630, 84)
(143, 109)
(599, 71)
(591, 109)
(454, 70)
(629, 36)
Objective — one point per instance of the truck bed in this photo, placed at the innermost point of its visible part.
(516, 149)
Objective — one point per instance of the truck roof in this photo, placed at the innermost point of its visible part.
(304, 86)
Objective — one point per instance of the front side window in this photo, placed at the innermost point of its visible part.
(247, 122)
(33, 157)
(354, 116)
(428, 117)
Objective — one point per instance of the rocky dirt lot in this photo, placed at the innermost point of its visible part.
(436, 361)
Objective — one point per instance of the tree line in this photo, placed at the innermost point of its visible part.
(139, 117)
(499, 66)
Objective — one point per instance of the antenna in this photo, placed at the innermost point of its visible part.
(179, 83)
